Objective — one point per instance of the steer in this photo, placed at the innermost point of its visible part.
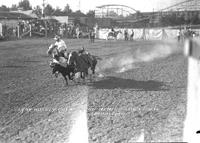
(69, 71)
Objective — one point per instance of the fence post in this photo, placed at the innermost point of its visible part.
(30, 27)
(45, 23)
(18, 34)
(192, 120)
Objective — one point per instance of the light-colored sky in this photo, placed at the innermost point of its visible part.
(86, 5)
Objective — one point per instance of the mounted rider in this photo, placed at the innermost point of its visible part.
(61, 46)
(82, 51)
(58, 51)
(112, 31)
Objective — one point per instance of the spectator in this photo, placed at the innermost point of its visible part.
(132, 35)
(179, 35)
(125, 35)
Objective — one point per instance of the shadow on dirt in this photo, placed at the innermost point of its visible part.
(32, 61)
(115, 82)
(13, 66)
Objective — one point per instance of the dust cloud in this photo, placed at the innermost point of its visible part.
(127, 61)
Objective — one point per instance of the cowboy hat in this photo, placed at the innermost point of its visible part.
(56, 37)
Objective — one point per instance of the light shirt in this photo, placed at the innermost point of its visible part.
(61, 46)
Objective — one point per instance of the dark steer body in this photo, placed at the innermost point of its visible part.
(65, 71)
(83, 62)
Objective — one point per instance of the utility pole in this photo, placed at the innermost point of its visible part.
(79, 5)
(43, 17)
(43, 6)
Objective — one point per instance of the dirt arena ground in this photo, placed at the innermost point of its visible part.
(140, 87)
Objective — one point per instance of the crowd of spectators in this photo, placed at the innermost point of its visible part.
(186, 33)
(38, 29)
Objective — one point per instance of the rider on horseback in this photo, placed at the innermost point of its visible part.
(82, 51)
(58, 52)
(61, 46)
(112, 30)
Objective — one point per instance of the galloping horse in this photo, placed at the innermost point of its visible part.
(82, 63)
(59, 64)
(113, 34)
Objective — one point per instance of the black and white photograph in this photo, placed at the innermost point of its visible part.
(99, 71)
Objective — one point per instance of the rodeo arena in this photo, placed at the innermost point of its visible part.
(120, 76)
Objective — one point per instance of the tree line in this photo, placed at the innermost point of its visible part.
(48, 9)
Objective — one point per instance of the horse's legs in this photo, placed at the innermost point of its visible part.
(93, 70)
(86, 72)
(69, 76)
(82, 75)
(91, 73)
(92, 39)
(66, 81)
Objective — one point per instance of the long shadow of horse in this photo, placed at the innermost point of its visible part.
(115, 82)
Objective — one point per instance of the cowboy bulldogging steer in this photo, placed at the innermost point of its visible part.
(58, 51)
(192, 122)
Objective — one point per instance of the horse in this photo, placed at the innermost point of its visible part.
(82, 63)
(67, 71)
(113, 34)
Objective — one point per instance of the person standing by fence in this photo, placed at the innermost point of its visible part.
(125, 35)
(132, 35)
(179, 35)
(77, 32)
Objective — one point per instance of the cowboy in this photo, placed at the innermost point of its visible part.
(60, 46)
(82, 51)
(58, 51)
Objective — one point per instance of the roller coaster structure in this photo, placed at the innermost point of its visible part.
(120, 10)
(123, 10)
(126, 15)
(184, 5)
